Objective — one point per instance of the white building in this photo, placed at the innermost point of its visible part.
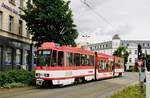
(110, 46)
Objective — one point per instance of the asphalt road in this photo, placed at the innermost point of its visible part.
(94, 89)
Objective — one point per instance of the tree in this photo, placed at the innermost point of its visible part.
(50, 20)
(122, 52)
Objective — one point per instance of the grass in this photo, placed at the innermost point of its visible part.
(130, 92)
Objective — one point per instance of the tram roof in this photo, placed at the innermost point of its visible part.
(53, 46)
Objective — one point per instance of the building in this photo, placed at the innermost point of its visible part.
(15, 41)
(110, 46)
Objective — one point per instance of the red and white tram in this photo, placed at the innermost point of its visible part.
(67, 65)
(119, 66)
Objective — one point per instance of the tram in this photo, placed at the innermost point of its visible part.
(63, 65)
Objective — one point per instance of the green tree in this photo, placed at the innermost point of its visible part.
(50, 20)
(122, 52)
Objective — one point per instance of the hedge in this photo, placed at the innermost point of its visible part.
(16, 76)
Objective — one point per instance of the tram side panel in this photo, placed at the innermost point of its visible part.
(63, 65)
(118, 66)
(72, 69)
(103, 66)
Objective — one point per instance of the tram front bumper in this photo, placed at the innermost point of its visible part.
(39, 82)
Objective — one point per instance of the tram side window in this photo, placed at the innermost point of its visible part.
(85, 60)
(110, 65)
(103, 65)
(60, 58)
(107, 65)
(91, 60)
(118, 63)
(69, 59)
(54, 59)
(77, 59)
(100, 65)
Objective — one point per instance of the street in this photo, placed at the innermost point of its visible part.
(94, 89)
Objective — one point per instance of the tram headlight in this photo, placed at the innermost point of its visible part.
(37, 74)
(46, 75)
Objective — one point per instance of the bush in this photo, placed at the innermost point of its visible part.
(13, 85)
(16, 76)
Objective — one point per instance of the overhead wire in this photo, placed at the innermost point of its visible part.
(98, 14)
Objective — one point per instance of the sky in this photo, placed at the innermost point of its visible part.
(101, 19)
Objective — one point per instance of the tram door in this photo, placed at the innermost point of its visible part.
(57, 58)
(60, 58)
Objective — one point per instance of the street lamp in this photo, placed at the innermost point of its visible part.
(86, 38)
(123, 53)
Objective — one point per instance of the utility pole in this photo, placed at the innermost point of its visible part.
(147, 76)
(141, 68)
(147, 84)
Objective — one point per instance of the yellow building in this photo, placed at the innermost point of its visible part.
(15, 41)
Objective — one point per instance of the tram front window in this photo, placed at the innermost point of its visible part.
(43, 58)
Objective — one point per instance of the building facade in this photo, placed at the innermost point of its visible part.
(110, 46)
(15, 41)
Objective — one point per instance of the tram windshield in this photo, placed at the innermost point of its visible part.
(43, 57)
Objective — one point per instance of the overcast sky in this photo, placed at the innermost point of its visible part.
(104, 18)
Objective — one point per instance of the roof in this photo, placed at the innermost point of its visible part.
(116, 36)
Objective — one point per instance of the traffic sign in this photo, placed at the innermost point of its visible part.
(140, 63)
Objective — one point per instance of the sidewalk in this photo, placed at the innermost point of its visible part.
(5, 93)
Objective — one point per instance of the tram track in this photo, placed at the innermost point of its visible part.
(94, 89)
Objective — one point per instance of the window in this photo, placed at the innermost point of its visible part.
(135, 59)
(21, 3)
(90, 48)
(44, 58)
(20, 27)
(8, 58)
(27, 33)
(135, 51)
(130, 60)
(106, 45)
(12, 2)
(103, 65)
(1, 14)
(18, 56)
(26, 61)
(130, 51)
(69, 59)
(60, 58)
(11, 21)
(77, 59)
(85, 60)
(91, 60)
(145, 51)
(54, 59)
